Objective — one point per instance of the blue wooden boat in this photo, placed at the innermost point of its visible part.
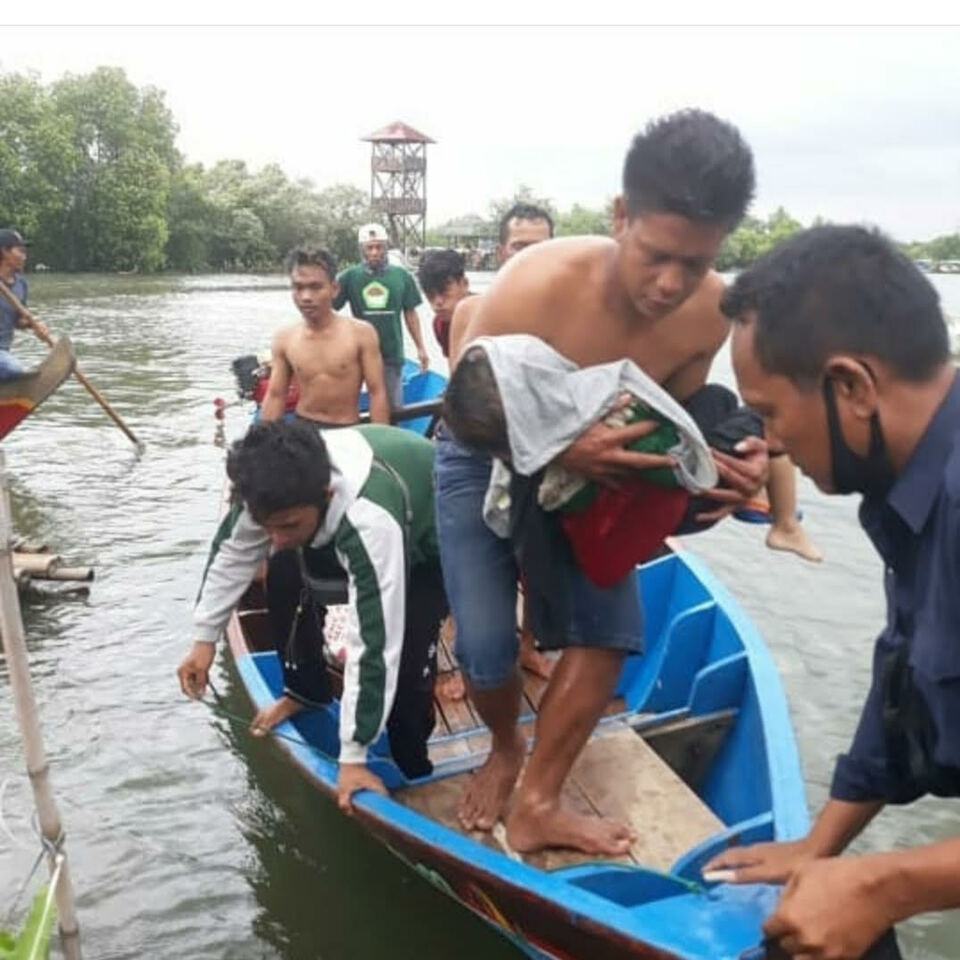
(696, 750)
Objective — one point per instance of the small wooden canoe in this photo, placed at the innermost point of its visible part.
(696, 751)
(22, 395)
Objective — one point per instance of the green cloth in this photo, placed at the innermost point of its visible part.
(662, 440)
(380, 299)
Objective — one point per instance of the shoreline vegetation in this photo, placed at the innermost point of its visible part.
(90, 173)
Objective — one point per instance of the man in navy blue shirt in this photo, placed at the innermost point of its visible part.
(840, 345)
(13, 256)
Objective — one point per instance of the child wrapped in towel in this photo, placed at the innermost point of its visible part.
(517, 399)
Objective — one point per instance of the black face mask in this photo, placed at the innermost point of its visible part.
(852, 473)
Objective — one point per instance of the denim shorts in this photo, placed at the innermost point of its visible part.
(480, 575)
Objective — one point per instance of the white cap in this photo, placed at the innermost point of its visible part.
(371, 233)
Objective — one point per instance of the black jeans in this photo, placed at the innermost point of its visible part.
(297, 616)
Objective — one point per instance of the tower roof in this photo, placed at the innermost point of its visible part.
(398, 132)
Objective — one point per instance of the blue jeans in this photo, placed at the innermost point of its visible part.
(393, 380)
(10, 366)
(480, 575)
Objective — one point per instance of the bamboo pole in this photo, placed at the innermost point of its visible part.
(14, 648)
(34, 325)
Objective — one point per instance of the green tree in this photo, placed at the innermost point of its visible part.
(945, 247)
(119, 190)
(584, 221)
(189, 221)
(754, 237)
(38, 160)
(523, 194)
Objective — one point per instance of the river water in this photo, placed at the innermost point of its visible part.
(187, 839)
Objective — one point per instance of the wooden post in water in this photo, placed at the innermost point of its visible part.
(15, 650)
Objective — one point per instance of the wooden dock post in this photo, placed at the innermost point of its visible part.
(14, 648)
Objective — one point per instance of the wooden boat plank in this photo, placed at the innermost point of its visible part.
(626, 779)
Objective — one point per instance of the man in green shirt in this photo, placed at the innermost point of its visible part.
(379, 292)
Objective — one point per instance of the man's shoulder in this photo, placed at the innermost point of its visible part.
(284, 333)
(569, 269)
(362, 330)
(395, 271)
(350, 274)
(701, 312)
(383, 438)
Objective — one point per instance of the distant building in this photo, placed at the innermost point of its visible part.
(474, 237)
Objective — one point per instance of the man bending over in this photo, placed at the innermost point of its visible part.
(348, 517)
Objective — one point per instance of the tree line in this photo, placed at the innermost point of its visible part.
(90, 171)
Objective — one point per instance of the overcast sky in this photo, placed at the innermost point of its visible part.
(852, 123)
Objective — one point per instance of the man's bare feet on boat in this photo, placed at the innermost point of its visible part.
(450, 686)
(488, 790)
(794, 539)
(532, 827)
(267, 718)
(532, 659)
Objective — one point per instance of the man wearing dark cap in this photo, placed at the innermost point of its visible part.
(13, 256)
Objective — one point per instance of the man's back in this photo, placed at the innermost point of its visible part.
(408, 459)
(8, 315)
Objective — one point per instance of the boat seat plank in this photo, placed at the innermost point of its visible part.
(617, 775)
(626, 779)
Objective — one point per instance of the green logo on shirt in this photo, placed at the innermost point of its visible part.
(375, 296)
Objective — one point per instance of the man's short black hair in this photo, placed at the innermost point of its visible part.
(279, 465)
(690, 163)
(523, 211)
(312, 257)
(839, 289)
(438, 268)
(472, 407)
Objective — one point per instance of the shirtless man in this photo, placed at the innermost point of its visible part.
(648, 294)
(330, 355)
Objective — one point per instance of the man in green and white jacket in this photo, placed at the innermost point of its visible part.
(346, 508)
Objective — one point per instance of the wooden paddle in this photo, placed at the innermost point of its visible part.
(33, 324)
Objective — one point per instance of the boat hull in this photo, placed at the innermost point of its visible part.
(602, 911)
(22, 395)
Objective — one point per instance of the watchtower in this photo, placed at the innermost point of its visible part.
(398, 182)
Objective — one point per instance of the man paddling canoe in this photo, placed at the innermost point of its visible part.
(13, 258)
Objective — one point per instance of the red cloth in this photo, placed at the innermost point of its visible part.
(623, 527)
(441, 330)
(293, 394)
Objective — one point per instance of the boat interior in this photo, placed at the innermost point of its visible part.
(679, 753)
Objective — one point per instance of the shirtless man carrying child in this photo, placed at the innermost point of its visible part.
(330, 355)
(648, 295)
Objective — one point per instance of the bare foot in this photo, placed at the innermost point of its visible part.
(531, 828)
(489, 789)
(532, 659)
(267, 718)
(449, 686)
(794, 539)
